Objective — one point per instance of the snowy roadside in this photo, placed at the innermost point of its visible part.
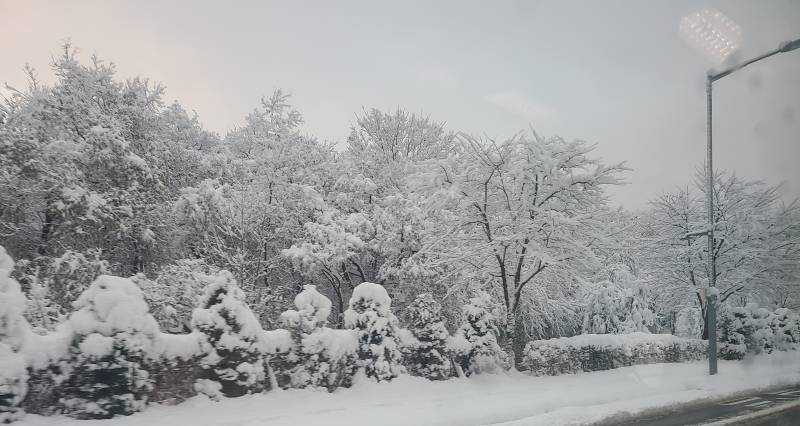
(514, 399)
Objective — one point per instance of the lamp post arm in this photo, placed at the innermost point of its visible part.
(716, 76)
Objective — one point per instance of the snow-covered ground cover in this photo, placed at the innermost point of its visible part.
(514, 399)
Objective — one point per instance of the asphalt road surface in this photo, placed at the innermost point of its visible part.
(729, 410)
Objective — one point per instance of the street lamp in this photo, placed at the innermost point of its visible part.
(711, 77)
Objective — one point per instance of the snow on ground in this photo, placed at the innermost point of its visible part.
(513, 399)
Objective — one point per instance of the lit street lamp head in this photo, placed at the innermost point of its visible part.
(788, 46)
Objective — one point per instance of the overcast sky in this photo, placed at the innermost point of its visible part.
(612, 72)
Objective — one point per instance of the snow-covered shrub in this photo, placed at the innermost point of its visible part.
(603, 310)
(113, 338)
(475, 343)
(785, 326)
(231, 337)
(13, 330)
(370, 316)
(175, 366)
(743, 330)
(427, 357)
(320, 356)
(594, 352)
(689, 323)
(731, 326)
(762, 338)
(48, 362)
(13, 383)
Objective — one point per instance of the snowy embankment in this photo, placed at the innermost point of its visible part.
(514, 399)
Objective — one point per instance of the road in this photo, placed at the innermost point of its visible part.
(727, 412)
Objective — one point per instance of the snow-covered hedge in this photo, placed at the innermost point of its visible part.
(594, 352)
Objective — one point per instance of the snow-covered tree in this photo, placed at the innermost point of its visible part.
(334, 246)
(785, 326)
(175, 292)
(475, 342)
(383, 138)
(321, 357)
(428, 357)
(13, 328)
(743, 330)
(639, 317)
(604, 310)
(689, 323)
(756, 245)
(521, 207)
(113, 340)
(369, 314)
(62, 279)
(232, 338)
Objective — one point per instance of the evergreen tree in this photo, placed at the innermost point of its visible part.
(428, 356)
(743, 330)
(376, 327)
(232, 337)
(476, 342)
(603, 311)
(320, 357)
(113, 337)
(785, 326)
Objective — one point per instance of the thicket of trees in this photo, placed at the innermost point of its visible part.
(100, 175)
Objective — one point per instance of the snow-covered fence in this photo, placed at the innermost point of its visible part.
(594, 352)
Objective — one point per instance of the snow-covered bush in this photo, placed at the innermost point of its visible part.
(113, 338)
(475, 343)
(320, 356)
(689, 323)
(13, 330)
(743, 330)
(785, 326)
(427, 357)
(731, 325)
(594, 352)
(762, 338)
(13, 383)
(232, 339)
(603, 309)
(175, 366)
(370, 316)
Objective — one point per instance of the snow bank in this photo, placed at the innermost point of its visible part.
(594, 352)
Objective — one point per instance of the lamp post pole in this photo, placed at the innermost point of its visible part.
(711, 299)
(711, 309)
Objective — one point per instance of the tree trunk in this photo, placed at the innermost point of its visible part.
(510, 343)
(704, 314)
(47, 230)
